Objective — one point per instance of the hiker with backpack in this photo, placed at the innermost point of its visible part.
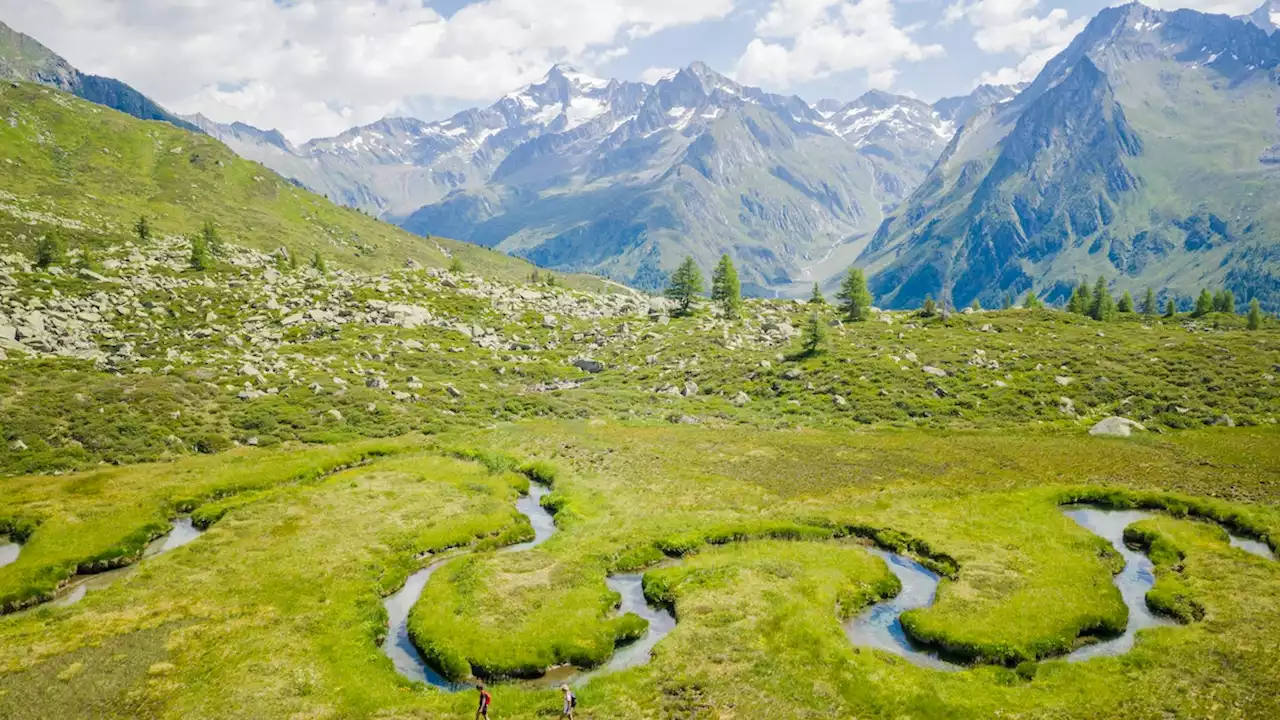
(485, 700)
(570, 702)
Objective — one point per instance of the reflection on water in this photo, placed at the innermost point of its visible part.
(880, 626)
(8, 551)
(1133, 582)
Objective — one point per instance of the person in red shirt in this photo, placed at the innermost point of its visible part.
(485, 700)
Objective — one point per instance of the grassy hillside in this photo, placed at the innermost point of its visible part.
(90, 172)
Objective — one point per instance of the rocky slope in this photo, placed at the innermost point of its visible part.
(1267, 16)
(23, 58)
(1145, 151)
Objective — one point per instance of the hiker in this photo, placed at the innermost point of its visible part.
(485, 700)
(570, 702)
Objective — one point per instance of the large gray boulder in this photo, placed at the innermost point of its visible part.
(1116, 427)
(589, 365)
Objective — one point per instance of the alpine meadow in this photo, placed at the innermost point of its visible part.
(658, 397)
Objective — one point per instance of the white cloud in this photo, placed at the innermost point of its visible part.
(802, 40)
(315, 67)
(654, 74)
(1002, 26)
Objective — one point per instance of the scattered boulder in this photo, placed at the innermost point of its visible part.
(1116, 426)
(589, 365)
(936, 372)
(1225, 421)
(1063, 381)
(741, 399)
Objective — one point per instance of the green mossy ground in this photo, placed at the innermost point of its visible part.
(277, 610)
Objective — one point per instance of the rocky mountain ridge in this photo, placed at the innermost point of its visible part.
(1141, 152)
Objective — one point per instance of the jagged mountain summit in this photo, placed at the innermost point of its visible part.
(1267, 16)
(626, 178)
(23, 58)
(1146, 151)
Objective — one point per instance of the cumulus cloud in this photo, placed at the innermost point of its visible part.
(1015, 26)
(802, 40)
(315, 67)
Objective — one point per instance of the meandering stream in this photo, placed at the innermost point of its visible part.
(181, 533)
(879, 626)
(8, 551)
(409, 663)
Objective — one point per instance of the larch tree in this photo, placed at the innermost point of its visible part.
(686, 282)
(855, 298)
(725, 287)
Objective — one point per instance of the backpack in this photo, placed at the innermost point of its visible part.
(573, 700)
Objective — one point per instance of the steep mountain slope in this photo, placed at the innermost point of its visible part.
(700, 165)
(626, 178)
(1267, 16)
(1145, 151)
(88, 172)
(22, 58)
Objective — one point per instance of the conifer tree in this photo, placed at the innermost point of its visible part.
(49, 251)
(1008, 302)
(930, 307)
(1080, 299)
(817, 298)
(1169, 308)
(318, 263)
(815, 335)
(725, 288)
(855, 298)
(1204, 304)
(1102, 305)
(686, 282)
(1255, 314)
(1126, 303)
(1224, 301)
(1031, 302)
(199, 254)
(1149, 303)
(142, 228)
(212, 243)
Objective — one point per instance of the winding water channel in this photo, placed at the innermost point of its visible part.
(8, 551)
(181, 532)
(879, 626)
(409, 663)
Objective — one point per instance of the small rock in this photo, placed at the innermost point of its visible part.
(741, 399)
(1063, 381)
(1224, 421)
(936, 372)
(690, 388)
(840, 401)
(335, 414)
(589, 365)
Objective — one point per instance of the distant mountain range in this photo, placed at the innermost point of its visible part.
(1147, 151)
(626, 178)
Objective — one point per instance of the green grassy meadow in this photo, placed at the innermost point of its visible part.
(335, 429)
(276, 610)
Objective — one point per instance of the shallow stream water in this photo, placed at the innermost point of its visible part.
(8, 551)
(181, 533)
(409, 663)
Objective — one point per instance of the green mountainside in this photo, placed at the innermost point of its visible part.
(91, 172)
(1144, 153)
(23, 58)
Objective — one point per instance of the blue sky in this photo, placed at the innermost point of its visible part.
(313, 68)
